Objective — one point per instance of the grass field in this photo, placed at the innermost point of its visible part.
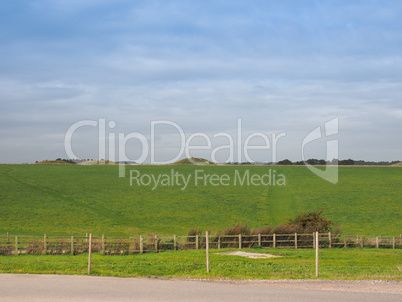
(74, 199)
(378, 264)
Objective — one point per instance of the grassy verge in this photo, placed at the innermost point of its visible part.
(345, 264)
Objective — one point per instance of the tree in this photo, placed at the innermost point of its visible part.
(285, 162)
(311, 222)
(348, 162)
(312, 161)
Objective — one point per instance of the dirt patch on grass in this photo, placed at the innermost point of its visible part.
(248, 254)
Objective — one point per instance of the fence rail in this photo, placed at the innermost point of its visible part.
(74, 245)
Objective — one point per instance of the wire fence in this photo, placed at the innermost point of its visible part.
(109, 245)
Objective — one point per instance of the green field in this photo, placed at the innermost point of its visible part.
(377, 264)
(74, 199)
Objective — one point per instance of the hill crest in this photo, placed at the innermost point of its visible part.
(194, 161)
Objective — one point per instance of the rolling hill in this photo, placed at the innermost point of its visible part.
(75, 199)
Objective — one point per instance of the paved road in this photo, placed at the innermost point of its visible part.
(85, 288)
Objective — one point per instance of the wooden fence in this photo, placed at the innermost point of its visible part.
(52, 245)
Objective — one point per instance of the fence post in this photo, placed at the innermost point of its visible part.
(274, 240)
(16, 245)
(239, 241)
(44, 244)
(207, 249)
(313, 240)
(89, 253)
(329, 240)
(259, 239)
(196, 242)
(219, 242)
(103, 243)
(376, 242)
(141, 245)
(72, 245)
(393, 242)
(174, 242)
(361, 241)
(8, 239)
(317, 244)
(156, 243)
(295, 241)
(344, 242)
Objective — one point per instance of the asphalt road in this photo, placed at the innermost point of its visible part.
(88, 288)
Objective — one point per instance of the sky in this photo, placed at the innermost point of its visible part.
(279, 68)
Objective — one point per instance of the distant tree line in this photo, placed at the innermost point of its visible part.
(285, 162)
(314, 161)
(344, 162)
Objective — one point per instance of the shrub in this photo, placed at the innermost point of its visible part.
(166, 245)
(6, 249)
(306, 223)
(35, 247)
(192, 233)
(191, 238)
(265, 230)
(58, 247)
(311, 222)
(237, 230)
(117, 246)
(149, 244)
(229, 242)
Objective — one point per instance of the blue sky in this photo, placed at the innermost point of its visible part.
(280, 66)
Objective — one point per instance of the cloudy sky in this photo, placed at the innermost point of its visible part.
(278, 66)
